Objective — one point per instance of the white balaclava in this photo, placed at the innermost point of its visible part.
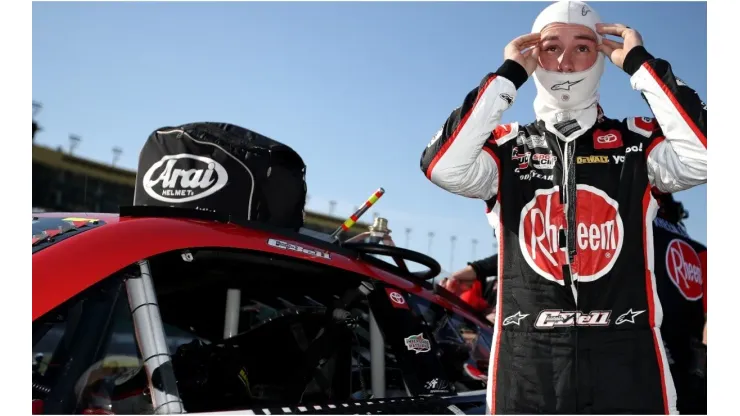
(568, 100)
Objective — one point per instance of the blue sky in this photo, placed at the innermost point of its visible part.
(358, 89)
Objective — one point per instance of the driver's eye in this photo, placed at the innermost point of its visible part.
(551, 49)
(583, 49)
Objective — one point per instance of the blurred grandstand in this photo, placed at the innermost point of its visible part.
(68, 183)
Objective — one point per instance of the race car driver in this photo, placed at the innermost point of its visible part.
(578, 318)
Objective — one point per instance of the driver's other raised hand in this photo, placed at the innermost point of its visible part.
(460, 280)
(524, 50)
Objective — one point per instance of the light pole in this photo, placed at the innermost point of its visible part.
(36, 108)
(429, 249)
(452, 252)
(117, 151)
(475, 243)
(74, 141)
(408, 236)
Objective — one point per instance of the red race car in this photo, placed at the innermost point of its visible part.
(167, 310)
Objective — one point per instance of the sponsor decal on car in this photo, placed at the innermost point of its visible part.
(397, 299)
(166, 182)
(437, 385)
(284, 245)
(417, 343)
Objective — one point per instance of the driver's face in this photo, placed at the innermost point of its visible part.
(567, 48)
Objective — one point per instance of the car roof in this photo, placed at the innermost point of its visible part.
(52, 228)
(69, 265)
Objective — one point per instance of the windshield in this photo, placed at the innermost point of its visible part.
(47, 231)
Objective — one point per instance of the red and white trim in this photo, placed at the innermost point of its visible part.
(655, 309)
(459, 129)
(667, 97)
(652, 146)
(671, 116)
(494, 218)
(498, 169)
(642, 125)
(703, 258)
(459, 167)
(513, 131)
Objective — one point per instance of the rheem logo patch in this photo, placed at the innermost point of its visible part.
(685, 269)
(599, 234)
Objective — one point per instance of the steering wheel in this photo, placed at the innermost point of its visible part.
(400, 255)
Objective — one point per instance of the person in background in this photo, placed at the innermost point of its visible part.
(476, 285)
(681, 279)
(484, 271)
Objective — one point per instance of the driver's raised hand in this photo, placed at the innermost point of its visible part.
(524, 50)
(617, 51)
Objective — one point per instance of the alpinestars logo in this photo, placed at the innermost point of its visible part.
(177, 185)
(565, 86)
(515, 319)
(627, 317)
